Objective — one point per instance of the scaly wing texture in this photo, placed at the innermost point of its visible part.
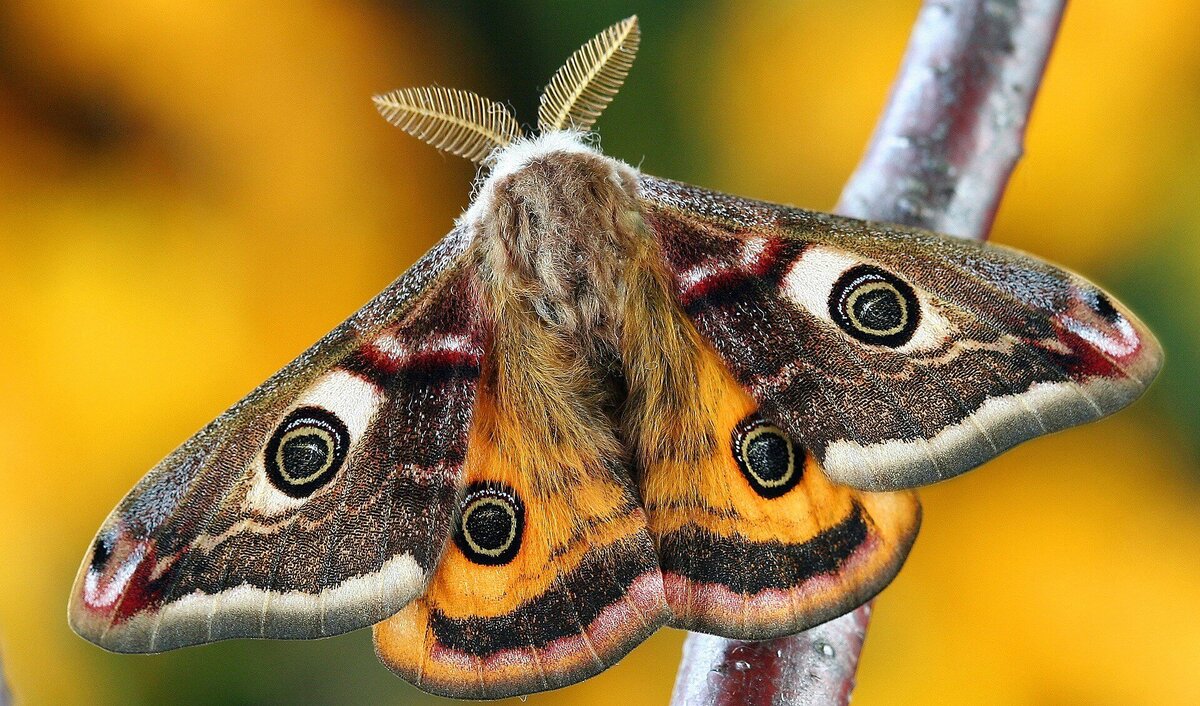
(316, 505)
(896, 356)
(454, 121)
(585, 85)
(550, 579)
(753, 540)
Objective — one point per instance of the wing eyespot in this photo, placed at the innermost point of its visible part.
(771, 463)
(101, 553)
(491, 523)
(1103, 307)
(874, 306)
(306, 451)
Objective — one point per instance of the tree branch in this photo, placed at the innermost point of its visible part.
(940, 158)
(5, 694)
(815, 667)
(954, 128)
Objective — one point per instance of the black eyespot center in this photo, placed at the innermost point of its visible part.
(874, 306)
(878, 307)
(305, 455)
(769, 456)
(1104, 308)
(491, 523)
(771, 463)
(101, 553)
(306, 451)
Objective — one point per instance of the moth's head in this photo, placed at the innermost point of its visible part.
(487, 133)
(557, 175)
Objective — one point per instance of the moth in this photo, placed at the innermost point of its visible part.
(604, 403)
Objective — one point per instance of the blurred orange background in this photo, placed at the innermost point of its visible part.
(191, 193)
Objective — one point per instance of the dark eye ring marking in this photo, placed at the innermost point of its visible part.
(771, 463)
(1104, 308)
(306, 451)
(101, 553)
(874, 306)
(491, 522)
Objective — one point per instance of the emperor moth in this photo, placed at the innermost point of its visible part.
(605, 402)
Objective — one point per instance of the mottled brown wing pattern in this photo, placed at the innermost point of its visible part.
(318, 504)
(897, 356)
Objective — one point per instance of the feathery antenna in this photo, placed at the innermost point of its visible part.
(458, 122)
(585, 85)
(468, 125)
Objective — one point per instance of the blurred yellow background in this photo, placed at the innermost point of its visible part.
(191, 193)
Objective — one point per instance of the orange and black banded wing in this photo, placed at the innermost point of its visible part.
(898, 357)
(754, 541)
(318, 504)
(550, 578)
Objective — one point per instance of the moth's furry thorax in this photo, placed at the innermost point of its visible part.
(584, 322)
(557, 225)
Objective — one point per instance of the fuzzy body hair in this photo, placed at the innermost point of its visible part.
(593, 364)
